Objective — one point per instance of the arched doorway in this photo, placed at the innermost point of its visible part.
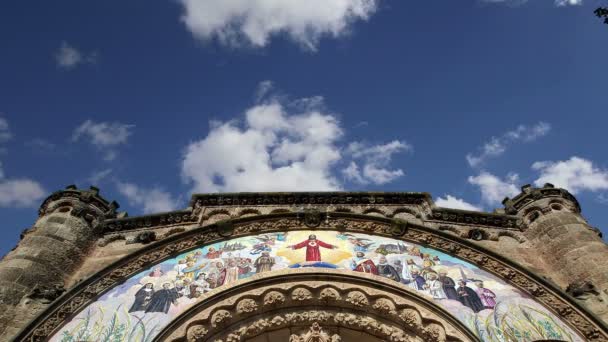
(316, 305)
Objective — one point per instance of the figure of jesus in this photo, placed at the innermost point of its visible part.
(312, 245)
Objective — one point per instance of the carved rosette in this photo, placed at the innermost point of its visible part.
(86, 293)
(388, 313)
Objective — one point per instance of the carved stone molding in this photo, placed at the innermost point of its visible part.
(315, 334)
(88, 291)
(297, 298)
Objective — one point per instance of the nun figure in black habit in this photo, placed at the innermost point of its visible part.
(468, 297)
(142, 298)
(162, 299)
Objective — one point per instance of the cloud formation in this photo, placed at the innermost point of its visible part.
(254, 22)
(281, 146)
(498, 145)
(19, 192)
(5, 132)
(558, 3)
(153, 200)
(104, 135)
(575, 174)
(493, 189)
(455, 203)
(69, 57)
(375, 159)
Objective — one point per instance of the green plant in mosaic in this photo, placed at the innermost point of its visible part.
(520, 323)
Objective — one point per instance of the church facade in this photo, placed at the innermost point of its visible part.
(303, 267)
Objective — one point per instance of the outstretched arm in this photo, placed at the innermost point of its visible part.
(299, 245)
(326, 245)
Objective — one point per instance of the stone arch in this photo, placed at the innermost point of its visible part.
(87, 292)
(248, 212)
(296, 299)
(374, 211)
(404, 210)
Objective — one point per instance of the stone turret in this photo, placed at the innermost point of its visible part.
(568, 248)
(38, 269)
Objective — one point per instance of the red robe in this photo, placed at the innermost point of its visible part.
(366, 266)
(312, 248)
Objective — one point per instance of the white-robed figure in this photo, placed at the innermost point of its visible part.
(407, 277)
(434, 287)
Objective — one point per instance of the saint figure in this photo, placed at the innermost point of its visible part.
(142, 298)
(162, 299)
(386, 270)
(407, 277)
(312, 245)
(449, 286)
(488, 298)
(362, 264)
(435, 287)
(263, 263)
(156, 272)
(213, 254)
(232, 272)
(468, 297)
(199, 286)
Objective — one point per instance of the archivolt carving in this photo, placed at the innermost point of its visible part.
(388, 311)
(87, 291)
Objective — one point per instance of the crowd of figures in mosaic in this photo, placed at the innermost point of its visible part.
(141, 307)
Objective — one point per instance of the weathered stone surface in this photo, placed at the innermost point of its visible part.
(79, 233)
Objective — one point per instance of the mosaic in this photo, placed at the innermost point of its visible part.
(141, 307)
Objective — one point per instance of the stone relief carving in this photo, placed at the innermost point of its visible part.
(286, 303)
(315, 334)
(89, 290)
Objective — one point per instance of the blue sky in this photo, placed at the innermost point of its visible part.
(154, 100)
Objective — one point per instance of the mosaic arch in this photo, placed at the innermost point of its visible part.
(141, 307)
(103, 304)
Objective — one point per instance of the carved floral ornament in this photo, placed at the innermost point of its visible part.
(88, 291)
(293, 299)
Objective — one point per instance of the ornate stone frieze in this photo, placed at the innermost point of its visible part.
(315, 334)
(89, 290)
(165, 219)
(303, 198)
(476, 218)
(294, 299)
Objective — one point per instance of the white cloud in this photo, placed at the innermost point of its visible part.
(98, 176)
(498, 145)
(20, 193)
(68, 57)
(271, 151)
(558, 3)
(104, 135)
(5, 132)
(279, 146)
(575, 174)
(375, 159)
(455, 203)
(152, 200)
(254, 22)
(493, 189)
(568, 2)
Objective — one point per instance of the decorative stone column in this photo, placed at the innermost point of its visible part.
(570, 252)
(38, 269)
